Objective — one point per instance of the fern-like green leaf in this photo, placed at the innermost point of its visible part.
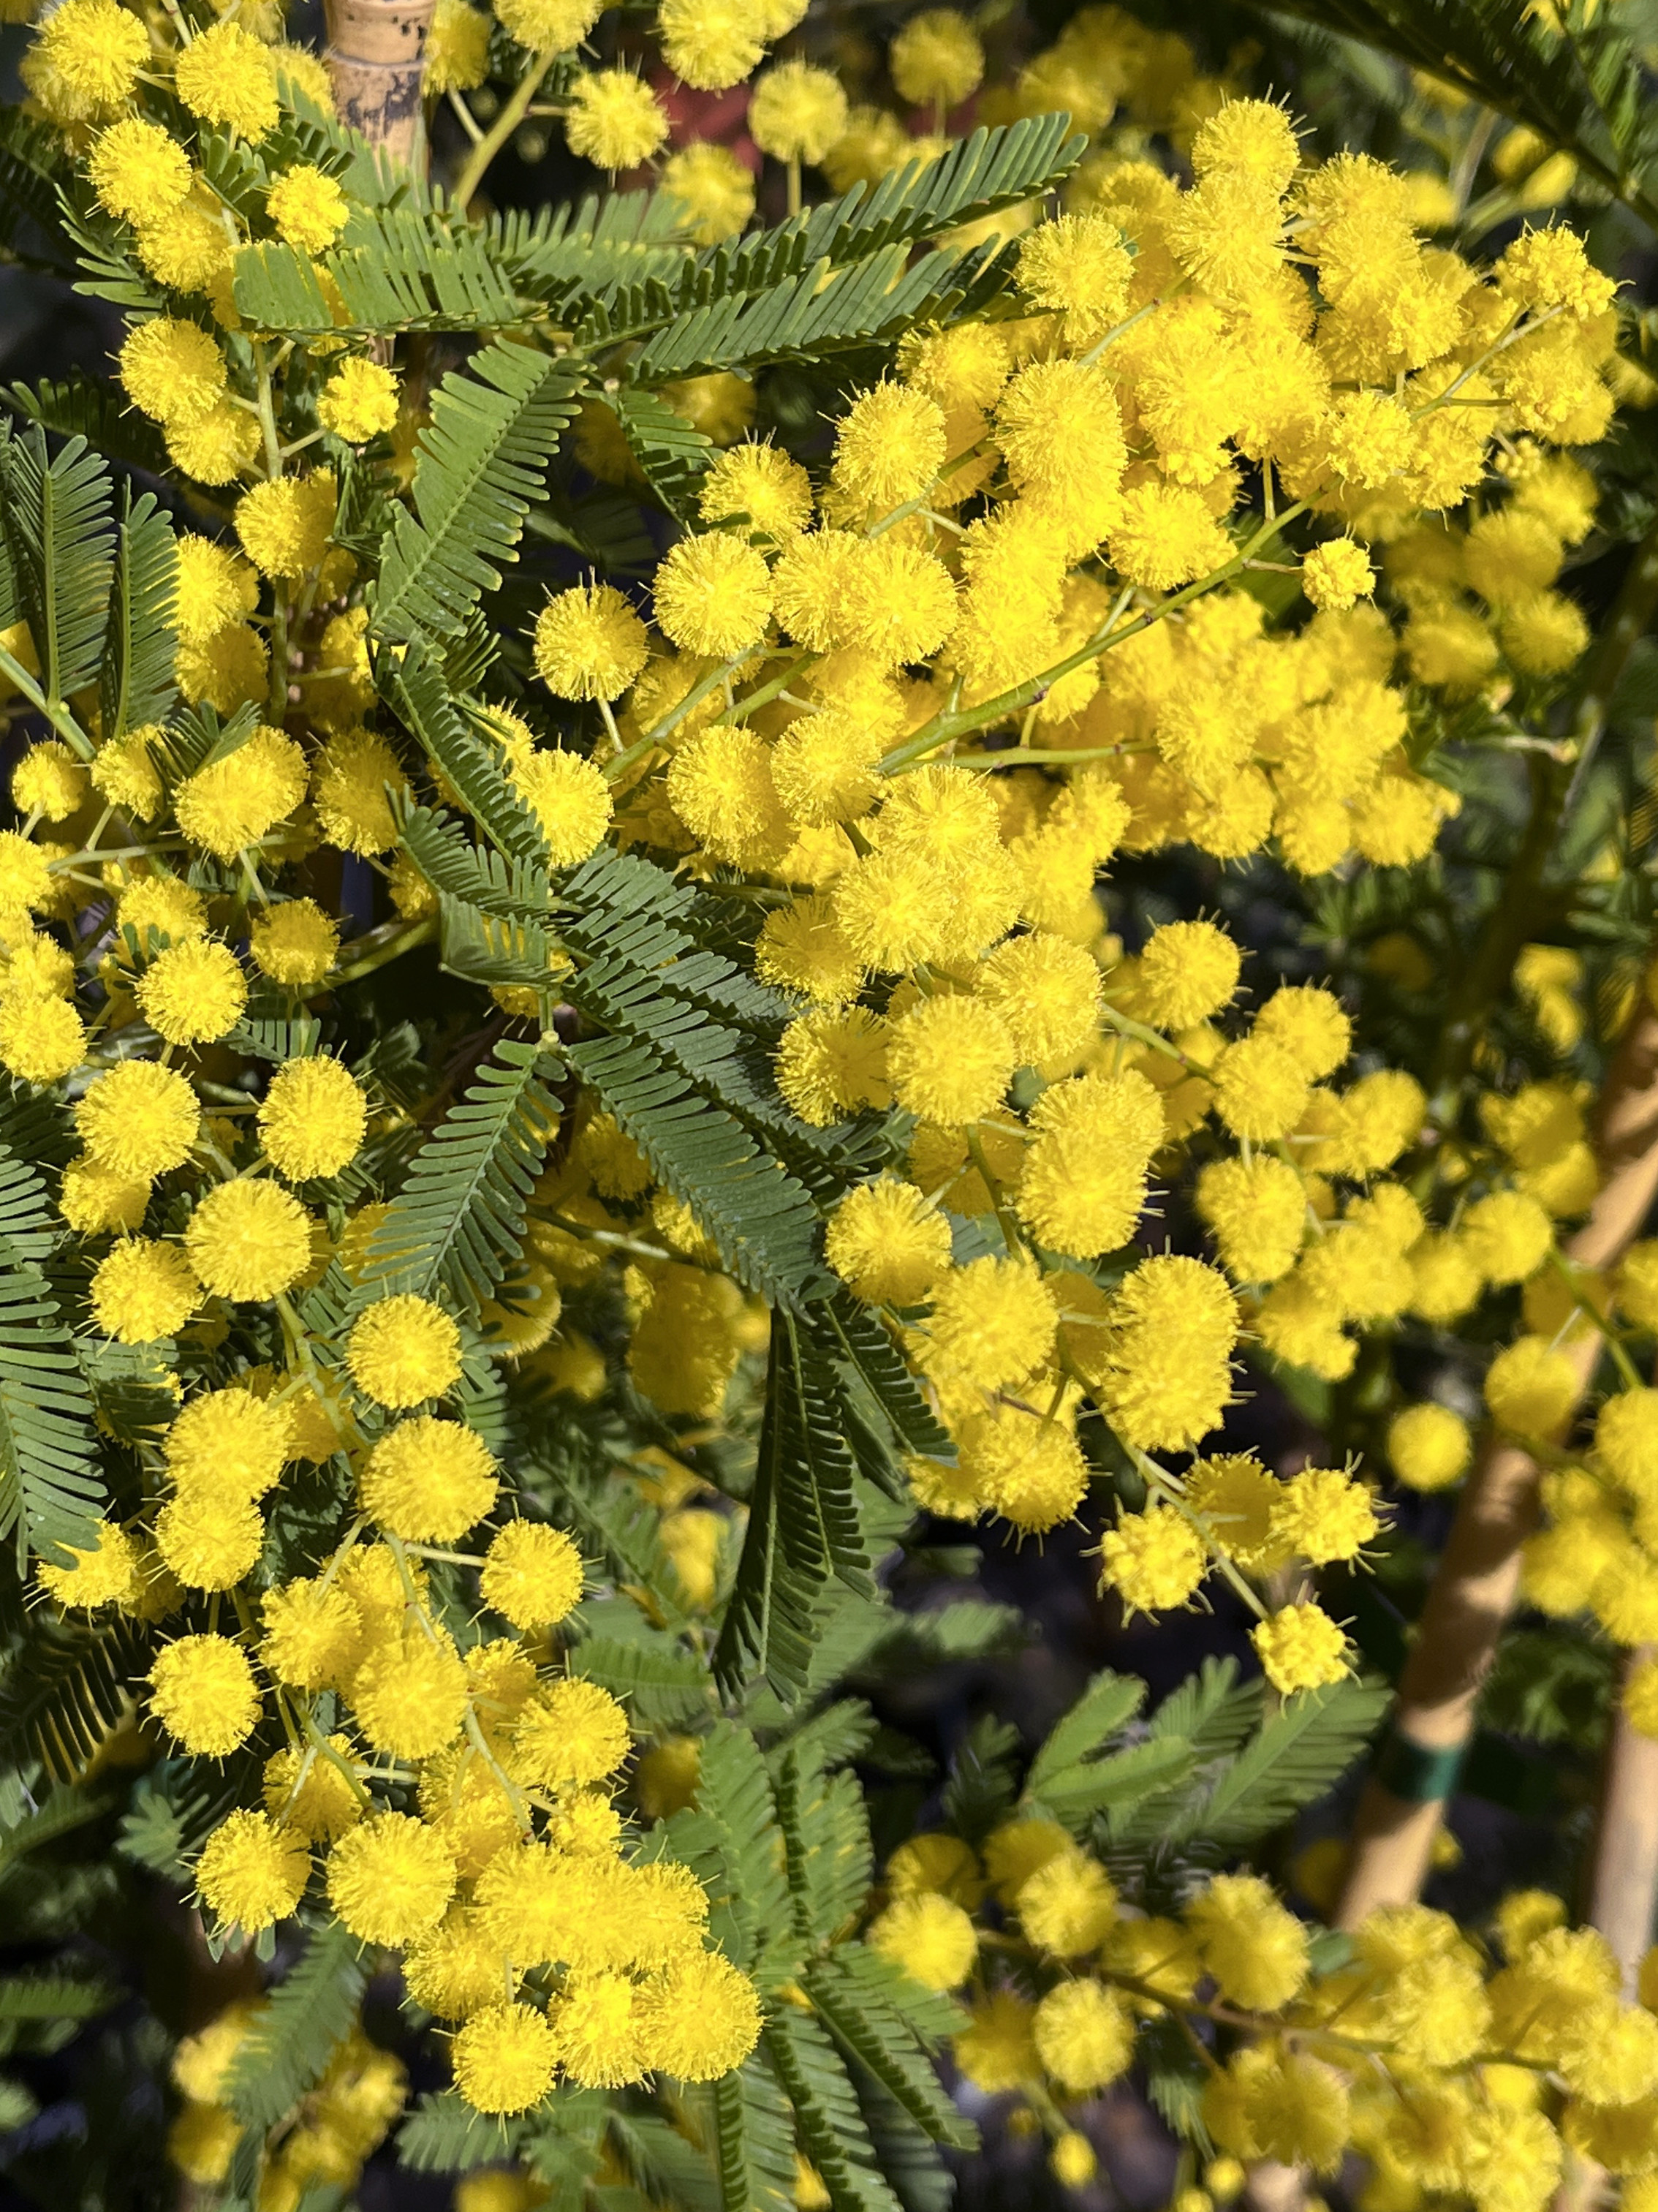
(826, 2112)
(486, 948)
(135, 683)
(51, 1491)
(55, 513)
(442, 2135)
(803, 1523)
(457, 1223)
(33, 166)
(730, 1836)
(1108, 1701)
(478, 875)
(886, 2022)
(754, 2139)
(303, 2022)
(482, 463)
(1301, 1751)
(417, 688)
(53, 1996)
(67, 1692)
(83, 407)
(763, 1222)
(664, 1684)
(672, 453)
(826, 1830)
(822, 311)
(1574, 76)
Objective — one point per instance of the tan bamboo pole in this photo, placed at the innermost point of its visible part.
(1622, 1889)
(1478, 1580)
(376, 61)
(1623, 1886)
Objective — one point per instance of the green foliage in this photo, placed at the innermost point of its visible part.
(134, 682)
(457, 1223)
(51, 1490)
(307, 2015)
(755, 2138)
(482, 460)
(55, 509)
(66, 1691)
(1574, 76)
(804, 1521)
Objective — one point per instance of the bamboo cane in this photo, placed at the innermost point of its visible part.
(376, 61)
(1623, 1883)
(1477, 1579)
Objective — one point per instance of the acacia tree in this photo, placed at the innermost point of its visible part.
(697, 899)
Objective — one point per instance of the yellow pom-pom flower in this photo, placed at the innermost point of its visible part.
(712, 595)
(390, 1879)
(1068, 1904)
(236, 801)
(428, 1481)
(409, 1694)
(1429, 1447)
(457, 48)
(1337, 574)
(571, 1732)
(715, 189)
(252, 1871)
(888, 447)
(249, 1240)
(172, 371)
(936, 61)
(699, 2018)
(532, 1575)
(1154, 1560)
(1256, 1949)
(762, 483)
(1531, 1386)
(138, 172)
(41, 1040)
(107, 1573)
(403, 1350)
(139, 1119)
(284, 525)
(887, 1244)
(710, 43)
(614, 119)
(308, 209)
(932, 1940)
(570, 799)
(50, 782)
(228, 1445)
(1301, 1648)
(504, 2058)
(797, 113)
(589, 643)
(203, 1692)
(312, 1118)
(950, 1060)
(227, 76)
(143, 1290)
(1084, 2035)
(359, 401)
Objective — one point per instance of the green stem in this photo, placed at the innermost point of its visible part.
(381, 945)
(54, 710)
(479, 161)
(947, 725)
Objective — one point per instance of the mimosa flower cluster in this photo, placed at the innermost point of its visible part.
(1186, 541)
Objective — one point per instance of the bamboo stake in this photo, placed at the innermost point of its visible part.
(376, 62)
(1623, 1886)
(1478, 1580)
